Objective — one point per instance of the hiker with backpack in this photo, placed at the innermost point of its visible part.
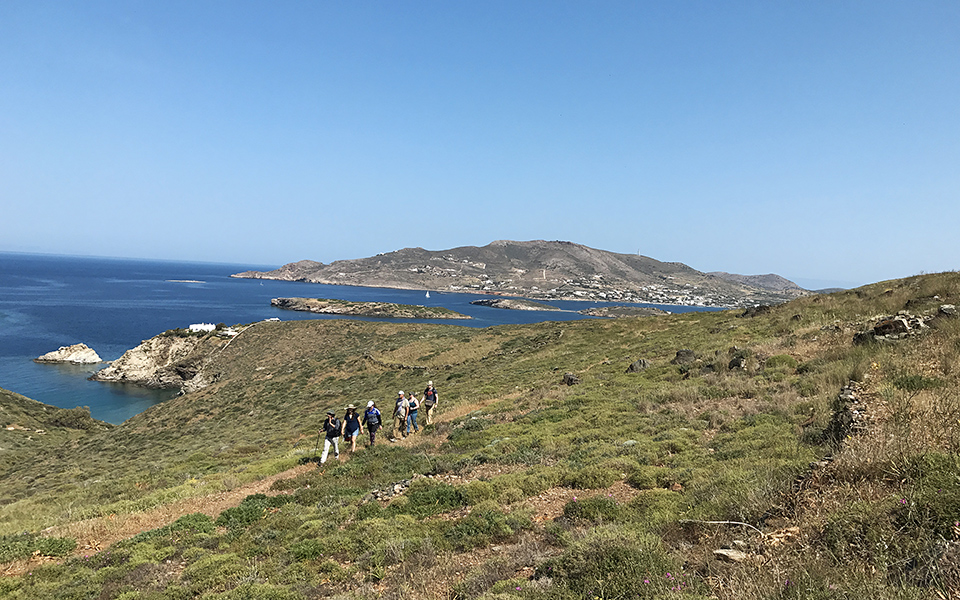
(332, 428)
(372, 419)
(414, 406)
(430, 399)
(400, 411)
(352, 427)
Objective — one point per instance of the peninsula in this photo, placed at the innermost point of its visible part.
(381, 310)
(544, 270)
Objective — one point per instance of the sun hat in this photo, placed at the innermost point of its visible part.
(430, 383)
(330, 412)
(349, 406)
(370, 404)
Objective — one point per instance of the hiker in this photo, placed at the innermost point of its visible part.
(332, 428)
(372, 419)
(414, 406)
(352, 427)
(400, 410)
(430, 399)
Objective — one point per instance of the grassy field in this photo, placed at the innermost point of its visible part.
(622, 486)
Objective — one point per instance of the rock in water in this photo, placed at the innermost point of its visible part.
(77, 353)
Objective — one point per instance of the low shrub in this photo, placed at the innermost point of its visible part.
(484, 525)
(613, 562)
(252, 509)
(598, 509)
(25, 545)
(592, 477)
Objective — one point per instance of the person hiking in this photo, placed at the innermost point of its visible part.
(373, 420)
(332, 428)
(352, 427)
(430, 399)
(400, 410)
(414, 406)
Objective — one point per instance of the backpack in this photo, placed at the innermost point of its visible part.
(335, 426)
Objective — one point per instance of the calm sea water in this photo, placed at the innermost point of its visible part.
(113, 304)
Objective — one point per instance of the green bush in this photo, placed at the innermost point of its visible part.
(426, 497)
(484, 525)
(252, 509)
(619, 563)
(781, 361)
(599, 509)
(592, 477)
(13, 547)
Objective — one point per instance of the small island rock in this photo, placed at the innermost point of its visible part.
(77, 353)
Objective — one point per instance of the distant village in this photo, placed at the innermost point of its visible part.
(592, 288)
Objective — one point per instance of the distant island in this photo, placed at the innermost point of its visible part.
(544, 270)
(513, 304)
(388, 310)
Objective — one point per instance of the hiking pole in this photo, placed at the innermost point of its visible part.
(318, 446)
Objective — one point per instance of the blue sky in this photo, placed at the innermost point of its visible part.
(816, 140)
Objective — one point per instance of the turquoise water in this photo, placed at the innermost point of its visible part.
(113, 304)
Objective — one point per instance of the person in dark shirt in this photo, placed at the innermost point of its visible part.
(352, 427)
(332, 428)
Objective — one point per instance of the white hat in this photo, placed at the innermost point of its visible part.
(400, 393)
(430, 383)
(369, 404)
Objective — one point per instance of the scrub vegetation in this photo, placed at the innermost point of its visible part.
(623, 486)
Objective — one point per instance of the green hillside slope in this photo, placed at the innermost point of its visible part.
(733, 469)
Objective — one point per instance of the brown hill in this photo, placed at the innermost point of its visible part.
(548, 270)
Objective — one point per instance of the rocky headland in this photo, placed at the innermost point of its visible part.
(513, 304)
(366, 309)
(544, 270)
(76, 354)
(173, 359)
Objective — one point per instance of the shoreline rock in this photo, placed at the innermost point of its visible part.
(79, 354)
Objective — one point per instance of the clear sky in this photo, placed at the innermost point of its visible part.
(816, 140)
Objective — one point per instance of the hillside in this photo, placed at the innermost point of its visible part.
(543, 270)
(733, 454)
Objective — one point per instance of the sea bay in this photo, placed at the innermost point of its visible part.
(112, 304)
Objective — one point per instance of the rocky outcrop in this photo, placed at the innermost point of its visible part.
(77, 354)
(897, 327)
(513, 304)
(164, 361)
(684, 357)
(638, 365)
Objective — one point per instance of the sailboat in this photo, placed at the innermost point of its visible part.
(428, 294)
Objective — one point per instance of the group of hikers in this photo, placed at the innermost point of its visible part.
(405, 410)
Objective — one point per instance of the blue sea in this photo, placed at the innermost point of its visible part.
(112, 305)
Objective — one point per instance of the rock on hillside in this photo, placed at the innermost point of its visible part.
(541, 270)
(77, 353)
